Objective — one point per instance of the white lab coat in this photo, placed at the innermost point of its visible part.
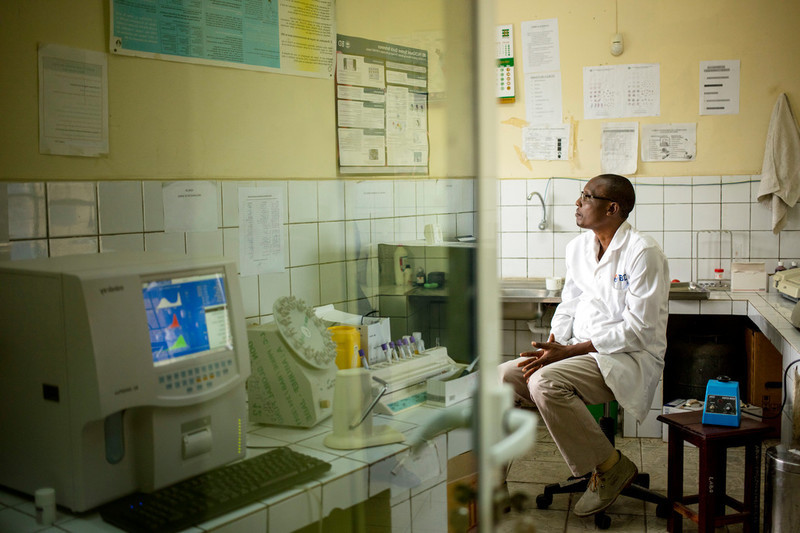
(621, 304)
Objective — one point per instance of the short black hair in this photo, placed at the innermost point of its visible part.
(620, 189)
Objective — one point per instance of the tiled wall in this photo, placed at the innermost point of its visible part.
(331, 228)
(684, 214)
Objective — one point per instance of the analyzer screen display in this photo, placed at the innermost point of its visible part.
(187, 317)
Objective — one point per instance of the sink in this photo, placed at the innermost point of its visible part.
(515, 293)
(523, 298)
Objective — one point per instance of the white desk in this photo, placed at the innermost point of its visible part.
(417, 496)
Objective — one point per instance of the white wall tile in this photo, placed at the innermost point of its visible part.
(566, 191)
(271, 287)
(230, 244)
(73, 245)
(680, 269)
(677, 217)
(153, 205)
(357, 239)
(512, 218)
(564, 218)
(230, 200)
(451, 192)
(706, 189)
(434, 196)
(514, 245)
(736, 217)
(560, 241)
(716, 307)
(468, 195)
(540, 244)
(678, 244)
(305, 284)
(405, 229)
(249, 288)
(677, 190)
(649, 190)
(536, 217)
(371, 199)
(447, 223)
(331, 242)
(706, 217)
(333, 283)
(27, 215)
(204, 243)
(789, 244)
(513, 268)
(122, 243)
(650, 218)
(28, 249)
(405, 198)
(763, 244)
(793, 218)
(174, 242)
(465, 224)
(736, 189)
(72, 208)
(330, 199)
(382, 230)
(303, 247)
(120, 206)
(513, 192)
(760, 217)
(302, 201)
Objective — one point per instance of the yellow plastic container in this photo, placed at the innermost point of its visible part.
(348, 342)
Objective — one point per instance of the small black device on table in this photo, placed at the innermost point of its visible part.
(213, 493)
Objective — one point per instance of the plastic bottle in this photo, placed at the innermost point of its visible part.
(792, 265)
(420, 276)
(400, 263)
(407, 276)
(420, 343)
(780, 267)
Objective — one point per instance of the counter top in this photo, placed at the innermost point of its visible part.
(354, 477)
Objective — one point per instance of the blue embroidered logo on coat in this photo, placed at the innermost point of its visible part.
(621, 282)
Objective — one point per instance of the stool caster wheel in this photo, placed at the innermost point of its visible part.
(602, 521)
(543, 501)
(663, 510)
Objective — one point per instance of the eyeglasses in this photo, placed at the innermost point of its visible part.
(586, 196)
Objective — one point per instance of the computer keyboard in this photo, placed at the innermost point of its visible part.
(213, 493)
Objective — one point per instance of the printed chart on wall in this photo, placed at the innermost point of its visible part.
(381, 107)
(283, 36)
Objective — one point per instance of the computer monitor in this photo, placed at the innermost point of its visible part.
(120, 372)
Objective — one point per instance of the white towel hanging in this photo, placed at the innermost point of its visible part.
(779, 189)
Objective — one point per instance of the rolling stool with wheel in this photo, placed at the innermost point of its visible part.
(639, 489)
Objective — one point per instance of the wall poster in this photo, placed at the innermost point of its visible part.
(381, 107)
(283, 36)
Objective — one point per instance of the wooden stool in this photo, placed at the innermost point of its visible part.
(713, 443)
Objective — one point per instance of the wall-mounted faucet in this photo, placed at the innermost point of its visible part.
(543, 222)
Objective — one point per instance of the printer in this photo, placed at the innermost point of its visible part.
(787, 283)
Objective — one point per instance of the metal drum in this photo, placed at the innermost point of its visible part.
(782, 486)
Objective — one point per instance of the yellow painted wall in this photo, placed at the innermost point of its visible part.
(677, 34)
(172, 120)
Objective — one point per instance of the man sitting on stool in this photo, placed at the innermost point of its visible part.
(607, 339)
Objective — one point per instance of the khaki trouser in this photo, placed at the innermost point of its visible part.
(561, 391)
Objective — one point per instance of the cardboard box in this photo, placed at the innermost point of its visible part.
(749, 277)
(462, 492)
(764, 378)
(374, 331)
(444, 393)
